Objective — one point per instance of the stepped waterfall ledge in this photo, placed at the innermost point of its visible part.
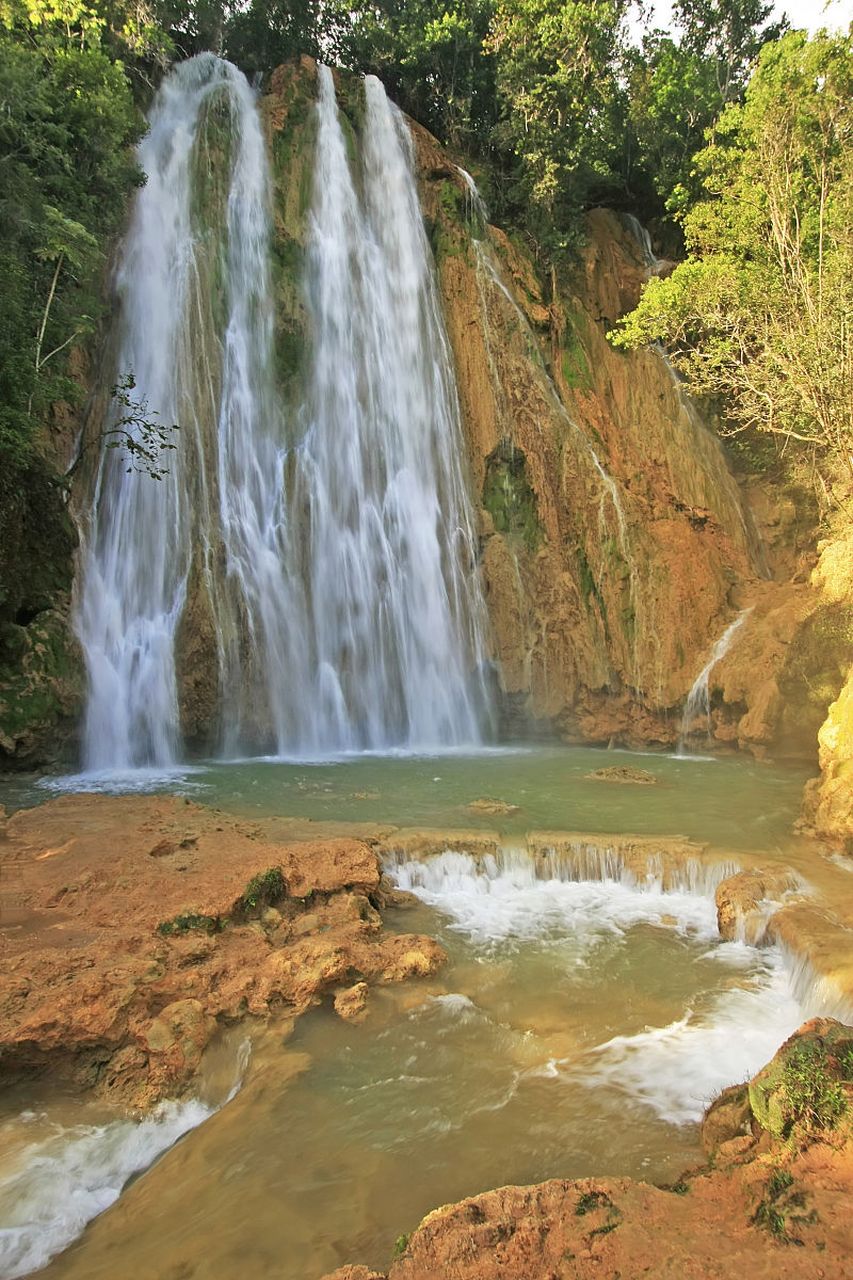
(321, 564)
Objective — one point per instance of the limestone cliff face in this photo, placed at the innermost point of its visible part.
(828, 808)
(614, 535)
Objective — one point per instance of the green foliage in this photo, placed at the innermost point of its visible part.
(813, 1096)
(560, 107)
(263, 889)
(67, 122)
(265, 33)
(189, 922)
(401, 1244)
(432, 56)
(135, 432)
(727, 35)
(758, 317)
(673, 98)
(508, 496)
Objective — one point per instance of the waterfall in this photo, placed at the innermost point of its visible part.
(397, 622)
(651, 261)
(698, 699)
(323, 569)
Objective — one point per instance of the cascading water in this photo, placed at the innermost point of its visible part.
(195, 332)
(698, 704)
(329, 580)
(395, 622)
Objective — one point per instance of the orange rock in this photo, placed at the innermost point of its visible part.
(121, 965)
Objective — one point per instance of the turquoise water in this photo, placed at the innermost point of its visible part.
(733, 802)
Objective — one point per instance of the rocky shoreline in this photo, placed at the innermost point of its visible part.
(140, 926)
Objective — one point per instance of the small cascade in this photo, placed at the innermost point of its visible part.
(698, 702)
(475, 205)
(640, 233)
(320, 573)
(571, 859)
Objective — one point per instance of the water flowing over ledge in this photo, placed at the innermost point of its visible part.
(326, 557)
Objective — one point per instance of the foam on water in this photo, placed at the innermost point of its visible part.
(493, 903)
(57, 1177)
(675, 1069)
(679, 1068)
(56, 1185)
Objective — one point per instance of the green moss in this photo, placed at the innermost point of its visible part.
(589, 1201)
(448, 232)
(263, 889)
(779, 1209)
(401, 1244)
(813, 1095)
(802, 1092)
(189, 922)
(349, 91)
(41, 684)
(508, 496)
(573, 360)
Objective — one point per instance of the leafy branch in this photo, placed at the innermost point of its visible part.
(142, 440)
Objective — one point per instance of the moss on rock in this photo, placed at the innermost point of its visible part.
(508, 496)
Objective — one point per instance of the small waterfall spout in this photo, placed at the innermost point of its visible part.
(698, 702)
(651, 261)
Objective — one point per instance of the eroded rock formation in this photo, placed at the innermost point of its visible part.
(135, 927)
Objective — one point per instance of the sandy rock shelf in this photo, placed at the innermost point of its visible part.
(138, 926)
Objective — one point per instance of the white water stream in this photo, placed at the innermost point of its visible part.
(697, 708)
(396, 623)
(329, 563)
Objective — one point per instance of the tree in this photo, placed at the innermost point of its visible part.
(760, 316)
(562, 108)
(66, 125)
(431, 55)
(727, 33)
(673, 98)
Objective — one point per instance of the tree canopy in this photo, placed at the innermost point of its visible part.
(760, 315)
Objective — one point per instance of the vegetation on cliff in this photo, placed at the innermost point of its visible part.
(758, 316)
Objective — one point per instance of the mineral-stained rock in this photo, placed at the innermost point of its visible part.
(746, 900)
(729, 1116)
(487, 805)
(351, 1003)
(146, 922)
(805, 1084)
(625, 774)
